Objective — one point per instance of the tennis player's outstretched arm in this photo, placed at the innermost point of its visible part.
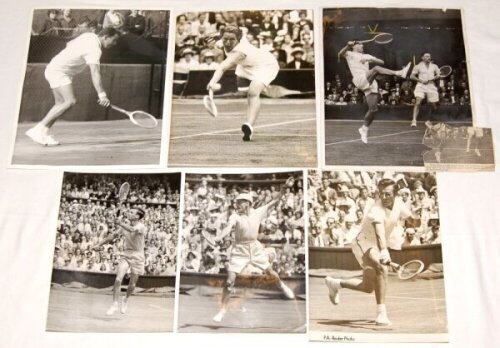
(230, 62)
(95, 73)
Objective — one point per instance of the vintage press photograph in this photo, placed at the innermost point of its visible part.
(243, 255)
(115, 253)
(93, 88)
(375, 260)
(244, 90)
(458, 148)
(386, 72)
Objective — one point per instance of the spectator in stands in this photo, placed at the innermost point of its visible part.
(68, 23)
(298, 63)
(51, 24)
(135, 23)
(187, 63)
(113, 19)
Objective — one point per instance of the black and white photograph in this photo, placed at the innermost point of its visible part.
(115, 253)
(244, 90)
(458, 148)
(243, 254)
(375, 259)
(93, 88)
(386, 72)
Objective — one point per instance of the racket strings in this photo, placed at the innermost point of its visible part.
(124, 190)
(383, 38)
(144, 119)
(410, 269)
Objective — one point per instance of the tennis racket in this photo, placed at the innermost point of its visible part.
(208, 102)
(382, 39)
(123, 192)
(445, 71)
(122, 195)
(139, 118)
(409, 269)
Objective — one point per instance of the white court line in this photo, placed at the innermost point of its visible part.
(238, 114)
(417, 298)
(238, 129)
(160, 308)
(267, 135)
(394, 121)
(375, 137)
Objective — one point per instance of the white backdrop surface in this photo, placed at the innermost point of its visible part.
(469, 203)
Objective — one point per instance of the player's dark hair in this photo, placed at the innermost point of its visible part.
(140, 212)
(233, 30)
(385, 183)
(424, 52)
(109, 32)
(53, 10)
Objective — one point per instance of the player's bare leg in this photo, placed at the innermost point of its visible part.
(227, 290)
(378, 70)
(366, 284)
(371, 101)
(416, 111)
(122, 270)
(281, 285)
(64, 99)
(253, 108)
(130, 291)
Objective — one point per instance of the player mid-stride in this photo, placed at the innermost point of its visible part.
(132, 258)
(252, 63)
(85, 50)
(370, 249)
(364, 78)
(247, 250)
(425, 73)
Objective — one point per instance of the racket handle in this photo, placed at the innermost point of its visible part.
(114, 107)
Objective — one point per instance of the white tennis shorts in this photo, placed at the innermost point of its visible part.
(248, 254)
(265, 73)
(429, 90)
(57, 79)
(362, 83)
(135, 261)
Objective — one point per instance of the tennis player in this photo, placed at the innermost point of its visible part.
(132, 258)
(370, 249)
(425, 73)
(364, 78)
(84, 50)
(437, 133)
(252, 63)
(475, 137)
(247, 250)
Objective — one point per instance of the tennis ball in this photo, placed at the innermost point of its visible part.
(217, 87)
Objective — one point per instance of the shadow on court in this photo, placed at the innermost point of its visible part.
(250, 310)
(85, 311)
(413, 306)
(284, 134)
(91, 143)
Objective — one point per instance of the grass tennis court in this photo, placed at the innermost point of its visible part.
(85, 311)
(116, 142)
(414, 306)
(389, 143)
(266, 311)
(284, 134)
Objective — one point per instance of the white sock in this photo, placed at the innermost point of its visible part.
(381, 308)
(365, 128)
(42, 129)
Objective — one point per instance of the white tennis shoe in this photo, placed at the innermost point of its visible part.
(333, 286)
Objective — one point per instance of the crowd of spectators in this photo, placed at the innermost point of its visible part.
(210, 201)
(88, 212)
(63, 23)
(453, 90)
(287, 34)
(338, 202)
